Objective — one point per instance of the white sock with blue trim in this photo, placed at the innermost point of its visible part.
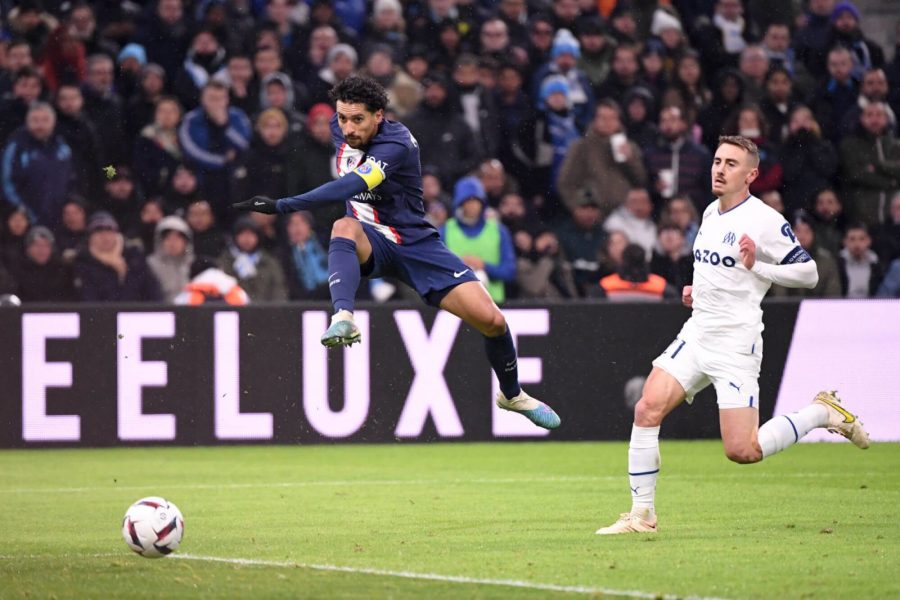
(785, 430)
(643, 467)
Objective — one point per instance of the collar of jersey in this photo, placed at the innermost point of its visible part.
(735, 206)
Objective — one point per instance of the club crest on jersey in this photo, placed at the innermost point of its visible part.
(729, 238)
(365, 168)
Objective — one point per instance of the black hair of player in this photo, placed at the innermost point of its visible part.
(360, 90)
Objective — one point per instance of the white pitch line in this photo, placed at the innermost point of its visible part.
(416, 482)
(550, 587)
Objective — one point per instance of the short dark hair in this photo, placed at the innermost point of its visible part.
(357, 89)
(742, 142)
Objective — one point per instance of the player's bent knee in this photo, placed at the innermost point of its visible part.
(648, 413)
(345, 227)
(495, 326)
(743, 455)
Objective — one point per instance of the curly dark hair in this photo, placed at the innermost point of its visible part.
(362, 90)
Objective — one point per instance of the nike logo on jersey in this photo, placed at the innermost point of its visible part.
(258, 203)
(459, 274)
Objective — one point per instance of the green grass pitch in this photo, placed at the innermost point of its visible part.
(508, 520)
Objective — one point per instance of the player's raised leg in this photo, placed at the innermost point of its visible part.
(470, 302)
(348, 249)
(825, 410)
(662, 393)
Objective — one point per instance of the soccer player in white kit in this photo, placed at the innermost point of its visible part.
(742, 248)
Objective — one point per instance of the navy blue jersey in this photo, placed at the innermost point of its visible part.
(390, 167)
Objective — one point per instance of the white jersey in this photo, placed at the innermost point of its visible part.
(727, 296)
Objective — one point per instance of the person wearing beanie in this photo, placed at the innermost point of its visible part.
(386, 27)
(484, 244)
(172, 256)
(846, 32)
(597, 49)
(564, 56)
(42, 276)
(340, 63)
(108, 270)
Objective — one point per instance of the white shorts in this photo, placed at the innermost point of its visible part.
(735, 376)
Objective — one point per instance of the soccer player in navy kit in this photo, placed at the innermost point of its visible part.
(385, 234)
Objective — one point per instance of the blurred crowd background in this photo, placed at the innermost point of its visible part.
(566, 144)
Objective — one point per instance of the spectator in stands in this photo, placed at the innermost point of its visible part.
(238, 76)
(688, 90)
(581, 239)
(722, 39)
(211, 285)
(871, 165)
(564, 60)
(72, 232)
(141, 106)
(103, 106)
(514, 14)
(728, 97)
(18, 56)
(624, 74)
(304, 260)
(640, 111)
(386, 27)
(157, 151)
(27, 88)
(478, 107)
(121, 198)
(404, 92)
(257, 272)
(861, 272)
(63, 59)
(340, 63)
(496, 182)
(829, 284)
(208, 240)
(777, 45)
(204, 60)
(751, 124)
(493, 39)
(633, 281)
(278, 92)
(483, 243)
(811, 41)
(846, 33)
(604, 160)
(303, 66)
(82, 137)
(681, 211)
(890, 286)
(540, 40)
(542, 272)
(166, 36)
(29, 21)
(874, 88)
(130, 62)
(809, 160)
(836, 95)
(38, 171)
(597, 50)
(269, 154)
(151, 213)
(183, 189)
(753, 67)
(635, 219)
(109, 271)
(313, 164)
(828, 220)
(82, 25)
(778, 103)
(214, 138)
(172, 256)
(445, 140)
(12, 238)
(268, 66)
(652, 63)
(672, 260)
(676, 165)
(887, 236)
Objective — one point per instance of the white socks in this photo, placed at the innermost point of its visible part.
(643, 467)
(785, 430)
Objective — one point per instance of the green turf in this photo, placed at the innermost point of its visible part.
(817, 521)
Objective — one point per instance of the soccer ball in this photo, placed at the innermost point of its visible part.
(153, 527)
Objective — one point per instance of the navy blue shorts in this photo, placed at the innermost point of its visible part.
(427, 265)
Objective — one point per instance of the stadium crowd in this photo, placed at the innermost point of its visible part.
(566, 144)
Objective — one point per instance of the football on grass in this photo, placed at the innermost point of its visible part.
(153, 527)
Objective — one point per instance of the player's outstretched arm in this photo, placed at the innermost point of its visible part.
(338, 190)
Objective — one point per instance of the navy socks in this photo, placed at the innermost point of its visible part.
(343, 273)
(501, 354)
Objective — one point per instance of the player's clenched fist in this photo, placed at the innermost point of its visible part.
(748, 251)
(686, 298)
(260, 204)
